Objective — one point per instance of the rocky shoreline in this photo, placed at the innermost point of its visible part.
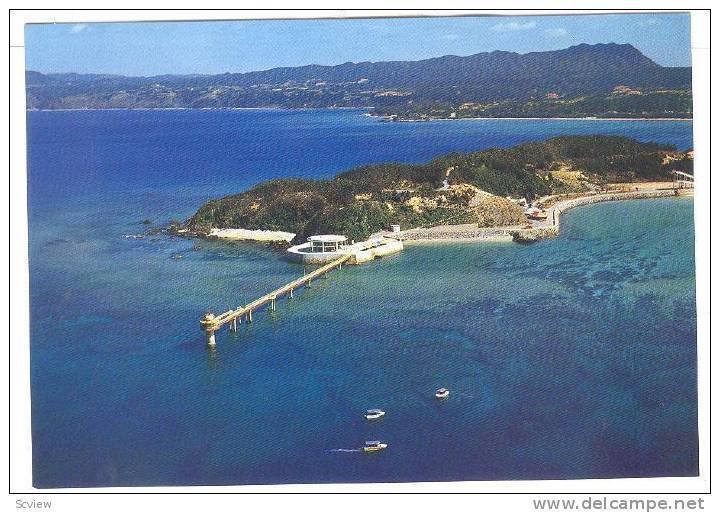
(523, 234)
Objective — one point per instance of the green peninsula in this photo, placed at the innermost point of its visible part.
(457, 188)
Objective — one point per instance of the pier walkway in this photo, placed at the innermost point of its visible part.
(210, 323)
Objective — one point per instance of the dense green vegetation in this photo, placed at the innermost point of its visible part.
(362, 201)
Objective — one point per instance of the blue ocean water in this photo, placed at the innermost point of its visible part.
(569, 358)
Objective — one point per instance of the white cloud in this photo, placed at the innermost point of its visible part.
(77, 28)
(556, 32)
(512, 26)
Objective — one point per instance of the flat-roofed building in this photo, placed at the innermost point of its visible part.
(326, 243)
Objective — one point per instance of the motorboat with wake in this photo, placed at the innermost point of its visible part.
(442, 393)
(373, 414)
(374, 446)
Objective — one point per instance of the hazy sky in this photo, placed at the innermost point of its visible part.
(236, 46)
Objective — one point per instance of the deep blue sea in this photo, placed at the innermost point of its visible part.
(569, 358)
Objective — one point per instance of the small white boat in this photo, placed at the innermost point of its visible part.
(374, 446)
(374, 414)
(442, 393)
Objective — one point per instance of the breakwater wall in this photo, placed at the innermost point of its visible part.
(452, 233)
(553, 227)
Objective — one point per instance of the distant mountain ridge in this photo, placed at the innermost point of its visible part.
(484, 77)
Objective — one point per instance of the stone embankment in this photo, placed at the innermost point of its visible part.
(535, 234)
(459, 232)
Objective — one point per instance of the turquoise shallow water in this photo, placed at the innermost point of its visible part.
(569, 358)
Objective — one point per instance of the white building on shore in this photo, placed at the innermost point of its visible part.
(319, 249)
(322, 249)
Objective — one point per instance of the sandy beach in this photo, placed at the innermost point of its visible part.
(252, 235)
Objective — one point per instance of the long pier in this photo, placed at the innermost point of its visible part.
(210, 323)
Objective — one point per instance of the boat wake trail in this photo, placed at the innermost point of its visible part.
(465, 395)
(345, 450)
